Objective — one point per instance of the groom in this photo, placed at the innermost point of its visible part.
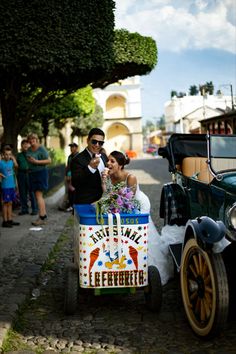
(86, 169)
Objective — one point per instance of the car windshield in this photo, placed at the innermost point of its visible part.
(222, 151)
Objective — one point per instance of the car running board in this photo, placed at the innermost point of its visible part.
(176, 250)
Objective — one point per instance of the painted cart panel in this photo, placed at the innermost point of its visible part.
(110, 256)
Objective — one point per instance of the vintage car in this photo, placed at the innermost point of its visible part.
(202, 196)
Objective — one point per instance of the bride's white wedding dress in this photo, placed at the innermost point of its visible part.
(158, 252)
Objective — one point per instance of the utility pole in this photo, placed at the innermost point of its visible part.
(231, 93)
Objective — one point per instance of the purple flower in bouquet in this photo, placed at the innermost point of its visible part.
(120, 199)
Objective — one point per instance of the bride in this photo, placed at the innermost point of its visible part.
(158, 254)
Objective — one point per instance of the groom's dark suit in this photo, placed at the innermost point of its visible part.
(87, 185)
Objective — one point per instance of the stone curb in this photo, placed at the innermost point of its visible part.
(21, 267)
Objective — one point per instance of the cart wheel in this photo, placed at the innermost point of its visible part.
(204, 289)
(71, 290)
(153, 292)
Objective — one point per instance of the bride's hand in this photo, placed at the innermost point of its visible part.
(104, 176)
(105, 173)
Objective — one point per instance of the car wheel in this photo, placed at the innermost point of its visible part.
(204, 288)
(71, 290)
(153, 292)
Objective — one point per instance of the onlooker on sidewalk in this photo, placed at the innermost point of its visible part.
(68, 201)
(23, 181)
(7, 171)
(38, 159)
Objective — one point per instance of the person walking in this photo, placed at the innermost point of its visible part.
(86, 169)
(23, 181)
(7, 172)
(38, 159)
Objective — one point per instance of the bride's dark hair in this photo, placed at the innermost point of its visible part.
(120, 158)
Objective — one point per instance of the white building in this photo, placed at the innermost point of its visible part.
(121, 104)
(183, 114)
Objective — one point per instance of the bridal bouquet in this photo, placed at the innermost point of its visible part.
(119, 199)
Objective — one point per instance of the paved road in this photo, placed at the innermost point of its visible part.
(104, 324)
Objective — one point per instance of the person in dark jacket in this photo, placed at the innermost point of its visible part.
(68, 200)
(86, 169)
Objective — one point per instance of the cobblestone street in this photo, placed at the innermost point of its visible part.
(102, 324)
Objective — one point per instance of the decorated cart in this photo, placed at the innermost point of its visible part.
(111, 256)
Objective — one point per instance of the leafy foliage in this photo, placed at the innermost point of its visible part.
(133, 55)
(82, 125)
(193, 90)
(208, 87)
(49, 49)
(81, 102)
(57, 156)
(55, 43)
(50, 46)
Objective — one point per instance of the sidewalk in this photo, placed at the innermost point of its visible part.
(22, 254)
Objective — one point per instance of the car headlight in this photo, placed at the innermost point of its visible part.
(231, 215)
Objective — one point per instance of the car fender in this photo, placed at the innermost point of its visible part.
(205, 230)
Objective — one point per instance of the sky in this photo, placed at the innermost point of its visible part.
(196, 41)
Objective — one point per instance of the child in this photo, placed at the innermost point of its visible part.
(7, 166)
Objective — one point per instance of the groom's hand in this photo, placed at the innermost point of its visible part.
(94, 162)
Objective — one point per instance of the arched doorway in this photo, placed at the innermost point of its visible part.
(117, 138)
(115, 106)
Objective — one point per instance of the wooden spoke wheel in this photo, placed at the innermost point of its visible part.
(204, 289)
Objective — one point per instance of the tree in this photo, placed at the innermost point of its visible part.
(173, 94)
(208, 87)
(81, 104)
(82, 125)
(49, 49)
(51, 45)
(161, 122)
(133, 55)
(193, 90)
